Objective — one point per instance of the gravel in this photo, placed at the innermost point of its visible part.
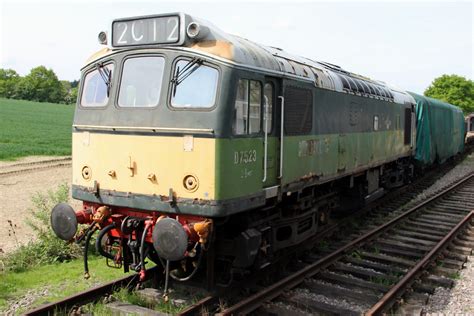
(25, 301)
(460, 299)
(285, 309)
(335, 285)
(340, 303)
(452, 176)
(16, 191)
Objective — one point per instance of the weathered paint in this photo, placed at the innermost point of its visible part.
(218, 48)
(239, 162)
(333, 112)
(321, 156)
(326, 156)
(164, 157)
(225, 168)
(244, 52)
(149, 152)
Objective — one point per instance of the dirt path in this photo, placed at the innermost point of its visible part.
(19, 181)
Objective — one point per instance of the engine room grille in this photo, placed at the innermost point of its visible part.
(298, 111)
(407, 126)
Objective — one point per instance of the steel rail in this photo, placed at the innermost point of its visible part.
(255, 301)
(33, 163)
(397, 290)
(90, 295)
(39, 168)
(36, 167)
(197, 308)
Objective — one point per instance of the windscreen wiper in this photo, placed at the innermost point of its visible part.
(106, 75)
(181, 74)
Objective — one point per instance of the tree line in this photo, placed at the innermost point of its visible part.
(41, 85)
(453, 89)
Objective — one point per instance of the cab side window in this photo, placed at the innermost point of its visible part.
(268, 104)
(248, 106)
(95, 92)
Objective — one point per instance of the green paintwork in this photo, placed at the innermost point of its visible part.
(242, 175)
(440, 130)
(339, 154)
(272, 162)
(342, 139)
(324, 156)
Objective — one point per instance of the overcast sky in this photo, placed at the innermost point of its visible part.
(404, 43)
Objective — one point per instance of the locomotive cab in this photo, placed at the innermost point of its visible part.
(148, 132)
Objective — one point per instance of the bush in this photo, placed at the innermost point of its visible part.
(47, 248)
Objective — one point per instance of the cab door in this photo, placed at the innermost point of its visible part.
(271, 141)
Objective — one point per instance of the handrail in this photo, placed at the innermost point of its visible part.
(282, 131)
(265, 140)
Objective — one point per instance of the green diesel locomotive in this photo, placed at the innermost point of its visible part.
(191, 143)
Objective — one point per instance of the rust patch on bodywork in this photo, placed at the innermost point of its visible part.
(310, 176)
(219, 48)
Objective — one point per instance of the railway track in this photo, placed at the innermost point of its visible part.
(371, 273)
(25, 167)
(387, 207)
(68, 304)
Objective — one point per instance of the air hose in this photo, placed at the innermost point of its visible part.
(86, 251)
(142, 252)
(196, 268)
(98, 242)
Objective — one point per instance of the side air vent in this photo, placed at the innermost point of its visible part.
(298, 111)
(360, 86)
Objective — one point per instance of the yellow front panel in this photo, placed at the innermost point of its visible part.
(127, 163)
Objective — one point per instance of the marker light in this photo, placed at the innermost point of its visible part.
(197, 31)
(193, 29)
(102, 38)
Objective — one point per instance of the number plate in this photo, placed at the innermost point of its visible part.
(146, 31)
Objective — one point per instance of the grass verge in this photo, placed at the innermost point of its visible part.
(52, 282)
(46, 248)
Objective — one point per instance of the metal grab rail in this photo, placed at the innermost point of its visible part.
(282, 131)
(265, 139)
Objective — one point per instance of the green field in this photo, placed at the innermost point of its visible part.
(32, 128)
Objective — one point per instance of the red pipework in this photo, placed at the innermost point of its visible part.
(83, 216)
(142, 275)
(193, 236)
